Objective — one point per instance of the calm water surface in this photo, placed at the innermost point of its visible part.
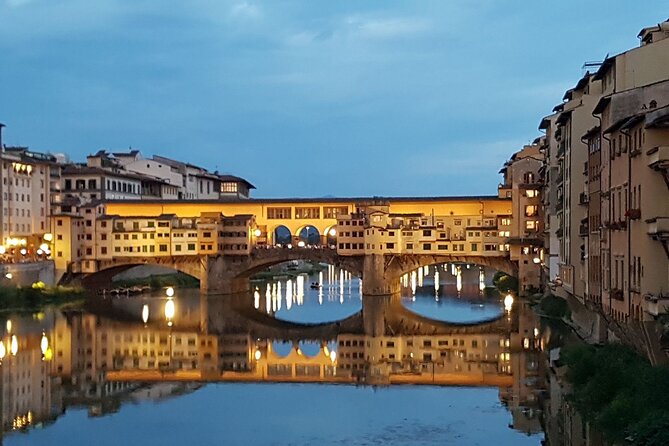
(72, 401)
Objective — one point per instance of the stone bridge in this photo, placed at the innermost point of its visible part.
(227, 274)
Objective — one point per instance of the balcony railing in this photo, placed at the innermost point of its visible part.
(583, 198)
(658, 157)
(583, 229)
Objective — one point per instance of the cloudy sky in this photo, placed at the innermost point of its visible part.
(304, 98)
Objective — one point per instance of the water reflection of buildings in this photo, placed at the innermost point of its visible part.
(101, 358)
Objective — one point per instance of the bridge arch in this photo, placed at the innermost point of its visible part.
(408, 263)
(105, 274)
(330, 235)
(308, 234)
(281, 235)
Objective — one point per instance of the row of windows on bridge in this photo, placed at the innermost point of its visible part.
(310, 212)
(177, 248)
(474, 247)
(410, 343)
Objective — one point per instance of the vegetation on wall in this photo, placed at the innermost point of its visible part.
(505, 283)
(619, 393)
(554, 306)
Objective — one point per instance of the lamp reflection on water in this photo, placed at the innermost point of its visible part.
(145, 313)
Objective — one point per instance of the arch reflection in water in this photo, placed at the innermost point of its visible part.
(227, 339)
(335, 291)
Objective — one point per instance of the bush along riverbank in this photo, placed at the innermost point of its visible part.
(619, 393)
(39, 296)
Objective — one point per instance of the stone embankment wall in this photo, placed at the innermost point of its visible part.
(25, 274)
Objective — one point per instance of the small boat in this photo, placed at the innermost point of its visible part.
(315, 285)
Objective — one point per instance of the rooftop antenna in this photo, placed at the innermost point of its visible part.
(2, 147)
(591, 65)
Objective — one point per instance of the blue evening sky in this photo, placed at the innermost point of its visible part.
(304, 98)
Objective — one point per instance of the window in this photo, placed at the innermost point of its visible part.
(409, 245)
(442, 247)
(307, 212)
(390, 246)
(427, 246)
(278, 213)
(475, 246)
(103, 250)
(191, 246)
(531, 193)
(228, 187)
(334, 211)
(427, 233)
(531, 210)
(162, 248)
(177, 248)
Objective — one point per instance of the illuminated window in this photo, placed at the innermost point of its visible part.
(531, 210)
(307, 212)
(229, 187)
(278, 213)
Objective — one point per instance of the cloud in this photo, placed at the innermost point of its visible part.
(17, 3)
(388, 28)
(245, 10)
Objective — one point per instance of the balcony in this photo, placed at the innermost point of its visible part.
(583, 198)
(633, 214)
(657, 304)
(617, 294)
(658, 158)
(658, 227)
(583, 229)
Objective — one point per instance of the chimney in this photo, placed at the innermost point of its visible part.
(2, 147)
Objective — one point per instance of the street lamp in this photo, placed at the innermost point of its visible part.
(169, 291)
(332, 232)
(257, 232)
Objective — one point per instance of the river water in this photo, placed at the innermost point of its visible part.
(287, 364)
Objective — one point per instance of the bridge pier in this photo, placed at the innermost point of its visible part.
(375, 279)
(219, 276)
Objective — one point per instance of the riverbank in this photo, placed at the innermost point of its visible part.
(619, 392)
(28, 299)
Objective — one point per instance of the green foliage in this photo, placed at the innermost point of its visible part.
(619, 392)
(505, 283)
(554, 306)
(36, 297)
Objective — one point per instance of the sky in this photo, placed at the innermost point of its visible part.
(306, 98)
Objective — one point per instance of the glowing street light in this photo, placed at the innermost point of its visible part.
(257, 232)
(3, 250)
(9, 276)
(48, 237)
(333, 356)
(169, 292)
(332, 232)
(257, 355)
(301, 244)
(3, 352)
(23, 251)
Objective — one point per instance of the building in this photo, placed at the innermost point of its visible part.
(607, 194)
(522, 230)
(25, 182)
